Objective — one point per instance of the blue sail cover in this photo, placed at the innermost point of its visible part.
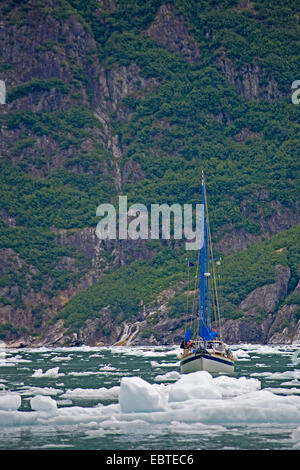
(188, 336)
(207, 332)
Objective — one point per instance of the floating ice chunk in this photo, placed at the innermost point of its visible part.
(284, 391)
(288, 374)
(115, 426)
(155, 364)
(266, 349)
(178, 427)
(137, 395)
(240, 353)
(49, 373)
(232, 386)
(10, 402)
(6, 361)
(144, 352)
(108, 367)
(172, 375)
(102, 393)
(194, 385)
(81, 374)
(29, 391)
(163, 364)
(296, 357)
(61, 358)
(43, 403)
(296, 437)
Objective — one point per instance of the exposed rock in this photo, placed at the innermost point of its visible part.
(132, 172)
(245, 134)
(221, 117)
(249, 80)
(22, 342)
(23, 48)
(45, 46)
(245, 5)
(242, 330)
(259, 321)
(267, 297)
(230, 239)
(170, 30)
(114, 85)
(53, 337)
(110, 5)
(286, 328)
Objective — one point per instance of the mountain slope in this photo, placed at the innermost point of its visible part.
(136, 98)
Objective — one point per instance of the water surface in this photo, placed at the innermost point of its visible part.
(68, 398)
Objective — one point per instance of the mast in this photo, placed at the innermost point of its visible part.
(202, 263)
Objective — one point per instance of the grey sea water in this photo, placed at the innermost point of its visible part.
(75, 398)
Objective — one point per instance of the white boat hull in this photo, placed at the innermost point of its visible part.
(209, 362)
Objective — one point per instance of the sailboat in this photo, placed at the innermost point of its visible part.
(203, 347)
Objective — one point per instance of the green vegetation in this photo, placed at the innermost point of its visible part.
(37, 85)
(240, 273)
(293, 299)
(43, 255)
(297, 314)
(65, 200)
(125, 288)
(6, 329)
(193, 119)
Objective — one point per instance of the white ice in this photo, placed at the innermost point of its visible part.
(179, 403)
(296, 438)
(169, 376)
(197, 401)
(10, 402)
(48, 373)
(43, 403)
(102, 393)
(138, 395)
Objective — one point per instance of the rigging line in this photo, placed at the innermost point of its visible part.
(218, 318)
(193, 316)
(207, 278)
(187, 295)
(220, 290)
(213, 303)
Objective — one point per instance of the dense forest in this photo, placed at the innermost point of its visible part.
(135, 97)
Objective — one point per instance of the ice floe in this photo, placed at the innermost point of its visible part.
(61, 358)
(296, 438)
(169, 376)
(162, 401)
(48, 373)
(30, 390)
(102, 393)
(164, 364)
(9, 402)
(43, 403)
(138, 395)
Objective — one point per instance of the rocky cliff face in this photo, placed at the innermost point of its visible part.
(39, 43)
(250, 80)
(170, 29)
(231, 239)
(262, 316)
(265, 318)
